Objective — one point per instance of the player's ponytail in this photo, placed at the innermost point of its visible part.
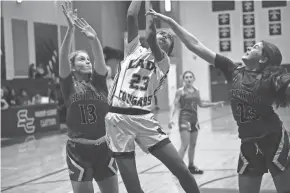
(273, 70)
(281, 98)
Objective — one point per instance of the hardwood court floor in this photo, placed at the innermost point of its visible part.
(38, 165)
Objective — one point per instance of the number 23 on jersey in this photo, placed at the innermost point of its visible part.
(139, 82)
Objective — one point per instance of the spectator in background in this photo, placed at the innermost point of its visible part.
(4, 104)
(54, 92)
(12, 98)
(39, 72)
(32, 71)
(23, 98)
(36, 99)
(5, 92)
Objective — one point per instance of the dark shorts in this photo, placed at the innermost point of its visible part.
(270, 153)
(188, 123)
(87, 162)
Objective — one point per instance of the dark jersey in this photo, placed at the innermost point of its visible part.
(188, 103)
(252, 96)
(87, 106)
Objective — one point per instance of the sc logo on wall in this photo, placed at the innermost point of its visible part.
(25, 122)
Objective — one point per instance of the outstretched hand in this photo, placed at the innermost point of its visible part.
(156, 15)
(69, 13)
(220, 103)
(85, 28)
(170, 124)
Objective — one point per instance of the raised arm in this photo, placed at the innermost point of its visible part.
(100, 65)
(64, 66)
(151, 34)
(189, 40)
(132, 20)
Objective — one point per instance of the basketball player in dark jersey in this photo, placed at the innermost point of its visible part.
(140, 76)
(256, 86)
(85, 92)
(187, 98)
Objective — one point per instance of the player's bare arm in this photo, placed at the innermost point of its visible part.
(91, 34)
(206, 104)
(70, 15)
(151, 34)
(189, 40)
(176, 106)
(288, 90)
(132, 20)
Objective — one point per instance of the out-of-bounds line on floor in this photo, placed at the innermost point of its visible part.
(63, 169)
(157, 165)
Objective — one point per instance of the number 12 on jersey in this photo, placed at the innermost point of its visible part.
(247, 113)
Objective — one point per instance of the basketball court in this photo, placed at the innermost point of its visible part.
(36, 164)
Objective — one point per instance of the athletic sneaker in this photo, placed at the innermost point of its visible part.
(195, 170)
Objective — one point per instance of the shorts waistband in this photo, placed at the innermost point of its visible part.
(128, 111)
(89, 141)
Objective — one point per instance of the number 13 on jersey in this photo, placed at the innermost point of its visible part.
(88, 114)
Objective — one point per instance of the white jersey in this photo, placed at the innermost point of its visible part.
(139, 77)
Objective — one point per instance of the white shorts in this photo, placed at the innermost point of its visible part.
(124, 130)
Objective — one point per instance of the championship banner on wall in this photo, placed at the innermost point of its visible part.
(267, 3)
(248, 6)
(224, 19)
(248, 43)
(249, 32)
(224, 32)
(275, 29)
(275, 25)
(248, 19)
(274, 15)
(225, 46)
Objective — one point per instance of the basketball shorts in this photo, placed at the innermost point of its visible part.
(87, 162)
(123, 130)
(188, 122)
(271, 153)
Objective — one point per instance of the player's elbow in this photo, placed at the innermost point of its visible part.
(200, 50)
(150, 37)
(132, 15)
(194, 46)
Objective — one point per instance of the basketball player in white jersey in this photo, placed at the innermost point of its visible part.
(139, 77)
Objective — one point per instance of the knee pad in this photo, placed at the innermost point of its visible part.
(184, 126)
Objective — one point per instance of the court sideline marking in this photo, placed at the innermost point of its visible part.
(63, 169)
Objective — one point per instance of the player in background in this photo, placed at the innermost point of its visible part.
(187, 98)
(85, 93)
(140, 76)
(255, 87)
